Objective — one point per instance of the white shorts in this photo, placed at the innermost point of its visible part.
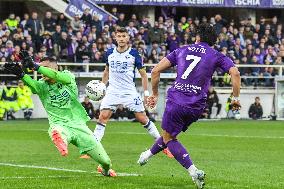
(132, 102)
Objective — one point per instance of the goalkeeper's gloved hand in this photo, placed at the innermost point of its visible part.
(27, 61)
(14, 68)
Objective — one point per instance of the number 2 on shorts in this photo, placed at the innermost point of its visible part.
(196, 60)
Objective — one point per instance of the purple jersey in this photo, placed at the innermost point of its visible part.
(195, 64)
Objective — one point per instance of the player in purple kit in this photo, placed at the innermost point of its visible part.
(195, 65)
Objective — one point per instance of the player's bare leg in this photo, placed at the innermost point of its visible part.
(151, 128)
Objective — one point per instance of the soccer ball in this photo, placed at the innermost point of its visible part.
(95, 90)
(238, 116)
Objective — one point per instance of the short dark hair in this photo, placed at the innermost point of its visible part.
(49, 58)
(207, 34)
(121, 30)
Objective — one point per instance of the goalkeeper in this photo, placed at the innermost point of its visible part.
(67, 118)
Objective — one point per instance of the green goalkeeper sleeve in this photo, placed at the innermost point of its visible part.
(33, 84)
(58, 76)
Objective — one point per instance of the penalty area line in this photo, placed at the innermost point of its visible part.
(62, 169)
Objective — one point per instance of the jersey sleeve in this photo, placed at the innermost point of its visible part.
(172, 57)
(106, 55)
(138, 62)
(224, 62)
(34, 85)
(64, 77)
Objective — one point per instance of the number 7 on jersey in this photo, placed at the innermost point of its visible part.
(196, 60)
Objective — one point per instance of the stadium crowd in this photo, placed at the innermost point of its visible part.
(85, 39)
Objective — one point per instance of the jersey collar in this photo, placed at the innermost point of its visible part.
(128, 49)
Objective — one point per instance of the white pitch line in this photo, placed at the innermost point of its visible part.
(209, 135)
(38, 177)
(61, 169)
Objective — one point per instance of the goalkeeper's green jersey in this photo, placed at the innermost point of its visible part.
(60, 99)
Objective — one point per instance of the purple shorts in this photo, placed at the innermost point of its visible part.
(177, 118)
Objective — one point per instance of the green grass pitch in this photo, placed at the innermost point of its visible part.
(234, 154)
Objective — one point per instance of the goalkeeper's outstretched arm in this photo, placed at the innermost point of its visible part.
(56, 75)
(33, 84)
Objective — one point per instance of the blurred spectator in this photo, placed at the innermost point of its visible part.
(134, 20)
(173, 42)
(25, 102)
(145, 22)
(2, 31)
(255, 110)
(131, 29)
(72, 50)
(48, 22)
(89, 108)
(121, 113)
(98, 23)
(62, 21)
(34, 28)
(76, 23)
(86, 17)
(121, 20)
(63, 44)
(9, 96)
(11, 22)
(229, 108)
(47, 42)
(114, 12)
(213, 101)
(23, 24)
(156, 34)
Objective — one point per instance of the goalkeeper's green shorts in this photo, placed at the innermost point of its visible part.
(81, 137)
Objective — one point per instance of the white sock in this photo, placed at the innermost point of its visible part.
(148, 154)
(192, 169)
(99, 131)
(152, 130)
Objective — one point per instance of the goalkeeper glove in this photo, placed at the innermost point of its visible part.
(27, 61)
(14, 68)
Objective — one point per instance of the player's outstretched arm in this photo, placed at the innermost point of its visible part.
(155, 78)
(144, 79)
(28, 62)
(16, 69)
(61, 77)
(33, 84)
(105, 75)
(155, 75)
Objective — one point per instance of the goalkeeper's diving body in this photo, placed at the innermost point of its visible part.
(58, 93)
